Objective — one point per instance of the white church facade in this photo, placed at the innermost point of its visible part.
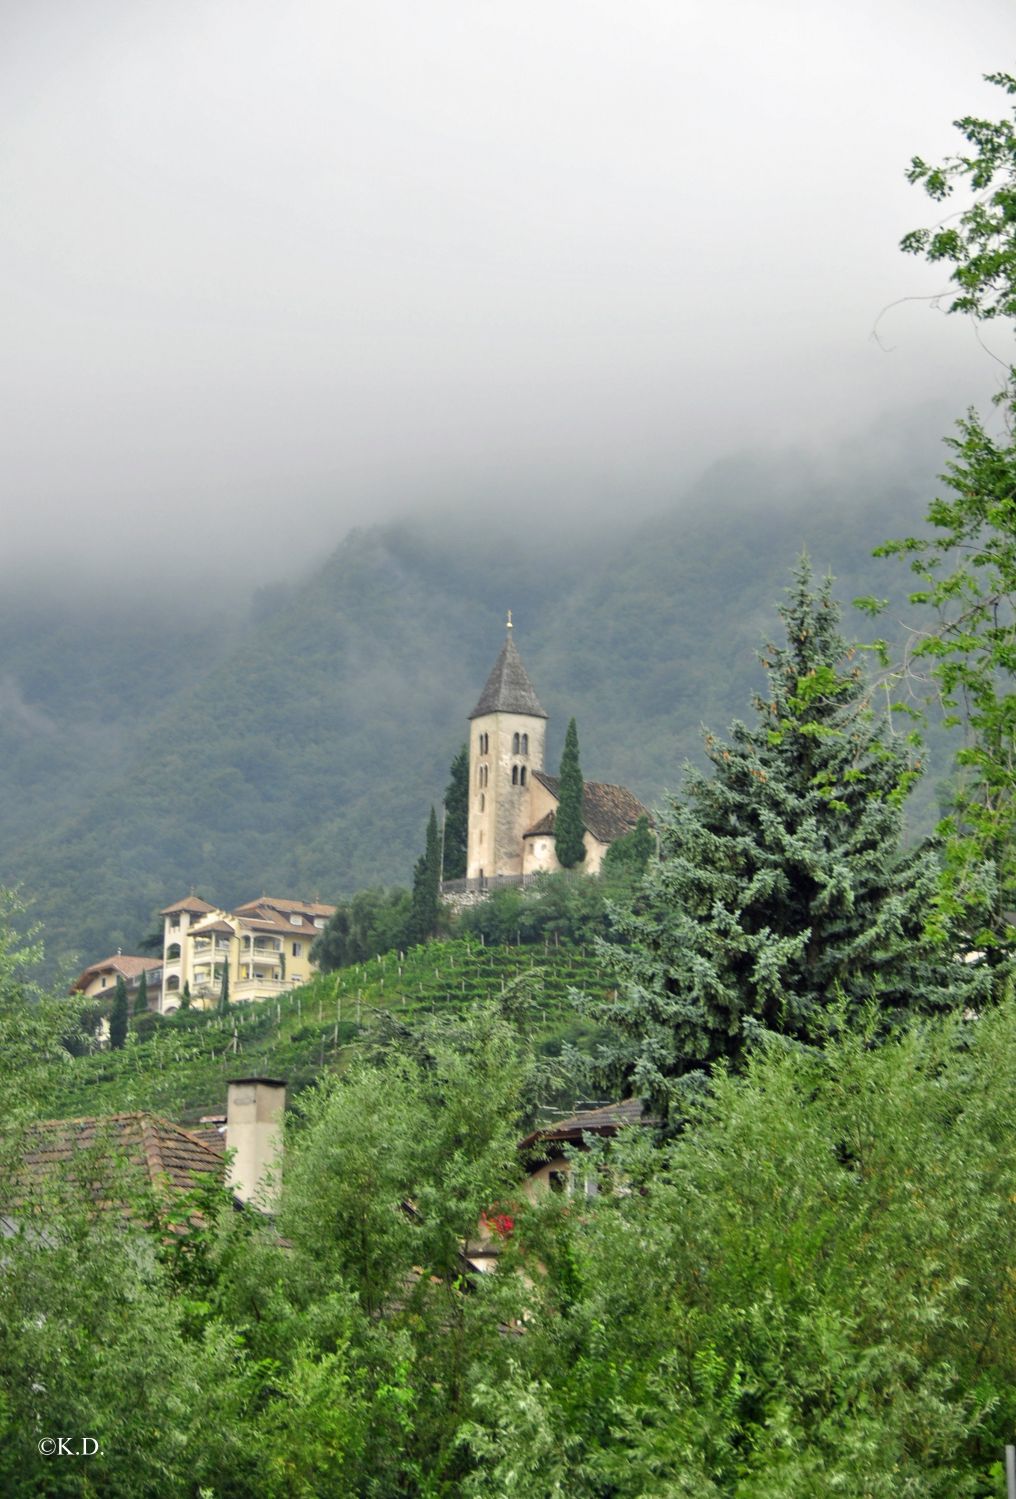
(512, 799)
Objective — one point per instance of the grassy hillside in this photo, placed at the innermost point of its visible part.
(303, 758)
(179, 1066)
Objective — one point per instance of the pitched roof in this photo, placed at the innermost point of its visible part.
(204, 929)
(605, 1121)
(607, 811)
(508, 688)
(276, 903)
(189, 903)
(123, 963)
(168, 1156)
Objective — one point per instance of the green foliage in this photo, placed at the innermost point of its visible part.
(966, 567)
(222, 1004)
(425, 903)
(33, 1024)
(627, 858)
(372, 922)
(141, 998)
(810, 1293)
(118, 1017)
(185, 996)
(568, 824)
(456, 821)
(556, 907)
(978, 242)
(782, 890)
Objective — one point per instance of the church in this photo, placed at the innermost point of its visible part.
(512, 799)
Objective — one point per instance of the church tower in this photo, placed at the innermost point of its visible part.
(506, 739)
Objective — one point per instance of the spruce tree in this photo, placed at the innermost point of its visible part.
(426, 881)
(568, 824)
(118, 1015)
(456, 806)
(782, 889)
(141, 998)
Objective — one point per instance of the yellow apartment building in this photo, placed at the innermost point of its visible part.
(264, 944)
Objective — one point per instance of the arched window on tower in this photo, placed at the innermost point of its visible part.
(483, 802)
(525, 744)
(515, 744)
(522, 776)
(515, 775)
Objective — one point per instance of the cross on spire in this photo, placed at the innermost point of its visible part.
(509, 626)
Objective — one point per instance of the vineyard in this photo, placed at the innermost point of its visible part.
(178, 1066)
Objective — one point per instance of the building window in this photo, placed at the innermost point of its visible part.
(174, 923)
(558, 1181)
(173, 982)
(515, 744)
(173, 953)
(484, 743)
(525, 744)
(296, 921)
(515, 775)
(522, 776)
(483, 802)
(297, 949)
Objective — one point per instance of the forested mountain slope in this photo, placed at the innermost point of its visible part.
(300, 754)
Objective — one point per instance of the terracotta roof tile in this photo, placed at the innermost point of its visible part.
(296, 907)
(605, 1121)
(607, 811)
(189, 903)
(123, 963)
(168, 1156)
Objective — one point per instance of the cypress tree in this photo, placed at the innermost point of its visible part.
(456, 805)
(185, 997)
(223, 1004)
(141, 998)
(568, 824)
(782, 888)
(426, 877)
(118, 1015)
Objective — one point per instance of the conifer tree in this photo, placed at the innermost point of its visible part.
(185, 997)
(141, 998)
(426, 881)
(223, 1004)
(118, 1015)
(568, 824)
(781, 890)
(456, 806)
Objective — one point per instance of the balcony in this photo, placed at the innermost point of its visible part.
(255, 988)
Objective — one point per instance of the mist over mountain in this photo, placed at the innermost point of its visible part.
(296, 746)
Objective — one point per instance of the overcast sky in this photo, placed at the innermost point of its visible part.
(269, 270)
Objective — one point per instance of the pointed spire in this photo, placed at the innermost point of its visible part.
(508, 688)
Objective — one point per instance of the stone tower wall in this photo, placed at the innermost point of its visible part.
(495, 832)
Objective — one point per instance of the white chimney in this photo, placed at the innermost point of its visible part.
(254, 1109)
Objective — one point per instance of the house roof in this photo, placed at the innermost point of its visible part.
(508, 688)
(607, 811)
(168, 1156)
(123, 963)
(294, 907)
(212, 926)
(605, 1121)
(189, 903)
